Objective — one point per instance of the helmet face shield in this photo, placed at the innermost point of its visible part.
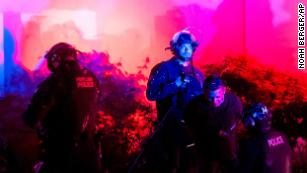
(54, 62)
(180, 38)
(70, 65)
(258, 116)
(59, 54)
(262, 113)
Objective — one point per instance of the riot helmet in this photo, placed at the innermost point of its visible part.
(259, 117)
(62, 57)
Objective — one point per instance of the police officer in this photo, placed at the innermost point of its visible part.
(62, 111)
(172, 84)
(265, 150)
(175, 81)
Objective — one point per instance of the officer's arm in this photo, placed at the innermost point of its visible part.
(286, 167)
(235, 119)
(158, 86)
(94, 121)
(238, 111)
(39, 105)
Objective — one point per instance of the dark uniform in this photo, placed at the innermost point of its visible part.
(62, 110)
(162, 88)
(265, 150)
(8, 162)
(170, 102)
(171, 98)
(216, 153)
(266, 153)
